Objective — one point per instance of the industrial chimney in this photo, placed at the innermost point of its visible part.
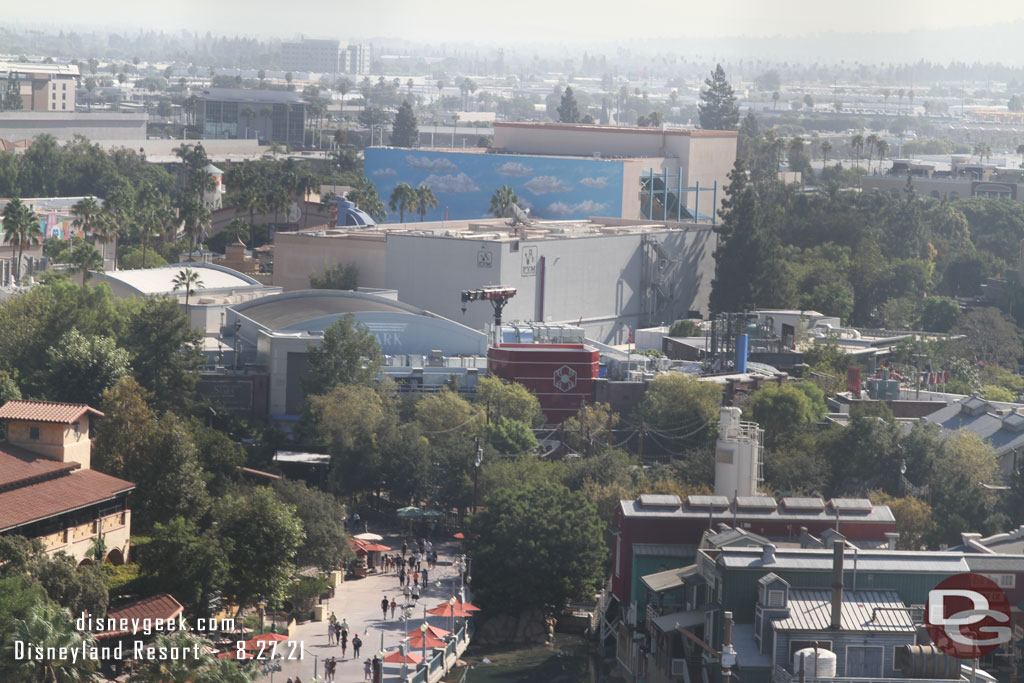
(837, 585)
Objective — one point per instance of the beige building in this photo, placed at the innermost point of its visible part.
(606, 275)
(48, 489)
(42, 87)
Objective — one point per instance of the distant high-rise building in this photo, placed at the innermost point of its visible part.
(320, 56)
(357, 59)
(42, 87)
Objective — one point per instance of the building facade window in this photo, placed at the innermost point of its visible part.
(33, 433)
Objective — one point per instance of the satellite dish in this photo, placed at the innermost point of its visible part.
(294, 213)
(520, 217)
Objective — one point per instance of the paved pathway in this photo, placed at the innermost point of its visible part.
(358, 601)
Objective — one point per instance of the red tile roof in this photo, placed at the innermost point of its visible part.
(54, 496)
(19, 467)
(160, 606)
(45, 411)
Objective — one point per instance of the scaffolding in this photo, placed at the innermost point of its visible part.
(663, 197)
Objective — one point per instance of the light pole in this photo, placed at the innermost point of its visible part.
(451, 614)
(477, 462)
(261, 605)
(423, 633)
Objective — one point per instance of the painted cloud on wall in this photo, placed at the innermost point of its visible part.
(594, 182)
(425, 164)
(384, 172)
(543, 184)
(588, 207)
(450, 184)
(513, 168)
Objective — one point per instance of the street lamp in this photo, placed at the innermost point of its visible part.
(477, 462)
(261, 605)
(423, 632)
(451, 613)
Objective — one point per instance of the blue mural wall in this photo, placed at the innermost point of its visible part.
(551, 187)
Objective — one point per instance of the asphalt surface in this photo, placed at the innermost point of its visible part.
(358, 602)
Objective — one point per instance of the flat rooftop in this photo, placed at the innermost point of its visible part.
(597, 128)
(161, 280)
(503, 230)
(277, 312)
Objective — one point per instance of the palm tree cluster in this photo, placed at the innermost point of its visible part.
(21, 228)
(195, 182)
(268, 187)
(405, 198)
(502, 200)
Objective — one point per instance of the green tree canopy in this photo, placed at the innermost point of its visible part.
(348, 354)
(535, 546)
(267, 535)
(404, 133)
(681, 408)
(717, 108)
(325, 544)
(780, 409)
(568, 110)
(337, 276)
(82, 368)
(189, 564)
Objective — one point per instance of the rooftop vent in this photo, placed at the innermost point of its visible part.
(652, 500)
(974, 406)
(1014, 422)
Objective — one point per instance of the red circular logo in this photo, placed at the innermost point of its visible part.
(968, 616)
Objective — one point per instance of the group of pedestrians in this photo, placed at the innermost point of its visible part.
(337, 634)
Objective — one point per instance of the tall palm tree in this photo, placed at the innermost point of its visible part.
(52, 629)
(87, 213)
(249, 113)
(239, 228)
(775, 98)
(118, 209)
(195, 217)
(870, 143)
(84, 260)
(883, 148)
(403, 198)
(826, 147)
(857, 144)
(425, 201)
(188, 280)
(21, 227)
(886, 94)
(502, 200)
(983, 151)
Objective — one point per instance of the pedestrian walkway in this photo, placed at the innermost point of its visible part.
(358, 602)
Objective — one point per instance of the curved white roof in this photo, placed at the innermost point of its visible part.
(161, 280)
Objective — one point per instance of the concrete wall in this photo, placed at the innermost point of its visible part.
(22, 125)
(297, 256)
(56, 441)
(595, 281)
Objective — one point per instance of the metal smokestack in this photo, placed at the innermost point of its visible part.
(837, 585)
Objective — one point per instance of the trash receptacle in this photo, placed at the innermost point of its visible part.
(319, 612)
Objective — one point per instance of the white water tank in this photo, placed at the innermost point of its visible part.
(737, 455)
(819, 663)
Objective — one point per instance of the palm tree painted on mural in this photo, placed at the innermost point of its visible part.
(502, 200)
(425, 201)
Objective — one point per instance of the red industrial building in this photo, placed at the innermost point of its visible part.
(561, 376)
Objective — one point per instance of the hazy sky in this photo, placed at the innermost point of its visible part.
(518, 21)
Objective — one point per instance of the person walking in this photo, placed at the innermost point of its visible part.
(384, 603)
(415, 578)
(405, 548)
(367, 670)
(394, 606)
(330, 633)
(407, 591)
(344, 643)
(356, 644)
(401, 575)
(424, 577)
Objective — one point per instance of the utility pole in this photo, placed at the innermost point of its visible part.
(477, 462)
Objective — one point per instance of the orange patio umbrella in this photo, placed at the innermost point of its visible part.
(468, 606)
(432, 631)
(235, 654)
(396, 657)
(446, 610)
(417, 641)
(267, 640)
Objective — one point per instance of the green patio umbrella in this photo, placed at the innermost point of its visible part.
(410, 513)
(433, 514)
